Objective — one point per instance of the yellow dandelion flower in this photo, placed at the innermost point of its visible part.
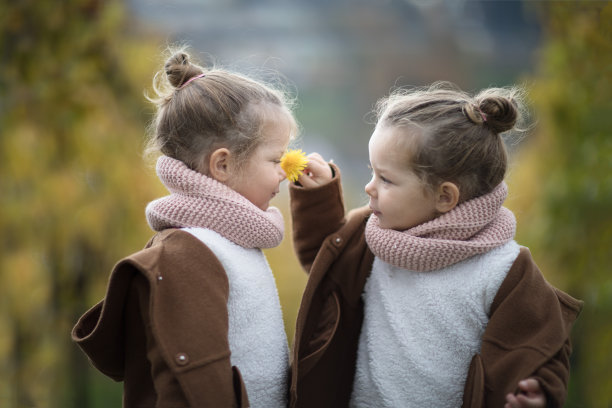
(293, 162)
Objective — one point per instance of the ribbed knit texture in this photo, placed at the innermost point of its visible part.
(196, 200)
(471, 228)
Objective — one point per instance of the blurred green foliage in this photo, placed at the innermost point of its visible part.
(74, 186)
(562, 182)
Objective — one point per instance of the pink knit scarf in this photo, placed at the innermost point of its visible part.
(196, 200)
(471, 228)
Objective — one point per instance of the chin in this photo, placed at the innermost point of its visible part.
(384, 225)
(391, 227)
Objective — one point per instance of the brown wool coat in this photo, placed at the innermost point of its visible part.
(162, 328)
(528, 334)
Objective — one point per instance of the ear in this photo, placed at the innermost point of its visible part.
(219, 165)
(447, 197)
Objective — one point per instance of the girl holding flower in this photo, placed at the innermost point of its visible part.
(423, 298)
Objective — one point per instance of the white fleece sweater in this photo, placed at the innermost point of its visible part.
(257, 338)
(421, 330)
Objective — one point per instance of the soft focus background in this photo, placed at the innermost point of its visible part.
(73, 183)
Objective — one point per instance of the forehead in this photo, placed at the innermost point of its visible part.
(277, 124)
(396, 143)
(269, 112)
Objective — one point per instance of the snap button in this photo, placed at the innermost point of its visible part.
(159, 278)
(337, 240)
(181, 359)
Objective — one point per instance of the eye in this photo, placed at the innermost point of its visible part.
(384, 180)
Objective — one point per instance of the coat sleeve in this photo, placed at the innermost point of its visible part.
(163, 325)
(315, 213)
(554, 374)
(528, 335)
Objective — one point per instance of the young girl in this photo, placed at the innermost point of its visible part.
(423, 298)
(194, 320)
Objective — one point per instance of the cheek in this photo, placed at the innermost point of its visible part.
(268, 178)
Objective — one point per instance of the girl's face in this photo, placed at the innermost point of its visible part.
(398, 197)
(260, 177)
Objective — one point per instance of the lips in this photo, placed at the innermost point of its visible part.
(375, 211)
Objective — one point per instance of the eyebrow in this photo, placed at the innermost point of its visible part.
(374, 167)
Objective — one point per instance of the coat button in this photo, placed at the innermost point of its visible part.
(181, 359)
(337, 240)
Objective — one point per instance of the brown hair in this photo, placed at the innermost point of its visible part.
(459, 136)
(195, 116)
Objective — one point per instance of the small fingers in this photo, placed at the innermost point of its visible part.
(315, 156)
(316, 173)
(306, 181)
(512, 401)
(530, 385)
(531, 395)
(531, 402)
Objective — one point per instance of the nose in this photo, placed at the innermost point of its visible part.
(369, 188)
(281, 174)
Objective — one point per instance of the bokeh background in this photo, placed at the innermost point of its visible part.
(74, 184)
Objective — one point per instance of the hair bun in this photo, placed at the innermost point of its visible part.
(501, 112)
(179, 69)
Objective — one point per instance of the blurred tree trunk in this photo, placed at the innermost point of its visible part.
(21, 341)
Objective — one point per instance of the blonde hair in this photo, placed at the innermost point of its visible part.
(199, 110)
(459, 136)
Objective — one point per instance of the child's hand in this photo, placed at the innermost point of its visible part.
(316, 173)
(531, 396)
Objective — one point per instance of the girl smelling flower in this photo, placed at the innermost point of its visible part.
(194, 319)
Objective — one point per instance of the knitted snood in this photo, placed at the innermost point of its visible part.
(196, 200)
(473, 227)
